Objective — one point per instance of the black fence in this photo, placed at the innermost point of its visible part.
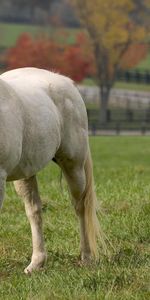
(120, 119)
(134, 76)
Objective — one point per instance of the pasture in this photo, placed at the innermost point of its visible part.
(122, 179)
(10, 32)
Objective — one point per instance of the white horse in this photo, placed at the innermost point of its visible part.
(43, 118)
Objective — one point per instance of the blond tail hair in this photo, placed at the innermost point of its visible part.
(94, 231)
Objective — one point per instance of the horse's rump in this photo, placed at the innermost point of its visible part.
(52, 114)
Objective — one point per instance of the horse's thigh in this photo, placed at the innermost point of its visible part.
(76, 180)
(74, 146)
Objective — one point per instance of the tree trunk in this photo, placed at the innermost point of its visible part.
(104, 98)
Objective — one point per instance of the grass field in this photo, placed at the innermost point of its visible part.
(145, 64)
(122, 177)
(132, 86)
(9, 33)
(122, 85)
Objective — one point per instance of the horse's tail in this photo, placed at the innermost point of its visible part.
(92, 225)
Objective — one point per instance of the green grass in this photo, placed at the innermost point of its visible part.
(9, 33)
(132, 86)
(122, 178)
(144, 64)
(122, 85)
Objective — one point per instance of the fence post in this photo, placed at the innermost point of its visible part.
(129, 114)
(108, 115)
(93, 129)
(143, 129)
(117, 128)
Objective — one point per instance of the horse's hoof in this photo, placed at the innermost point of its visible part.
(86, 261)
(36, 264)
(31, 268)
(27, 271)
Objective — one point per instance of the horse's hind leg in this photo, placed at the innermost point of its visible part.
(80, 180)
(27, 188)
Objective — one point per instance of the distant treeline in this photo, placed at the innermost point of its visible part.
(56, 12)
(51, 11)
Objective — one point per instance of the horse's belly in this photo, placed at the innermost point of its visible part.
(27, 168)
(40, 143)
(33, 161)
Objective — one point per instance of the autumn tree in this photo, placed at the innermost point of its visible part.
(29, 52)
(113, 33)
(71, 60)
(78, 60)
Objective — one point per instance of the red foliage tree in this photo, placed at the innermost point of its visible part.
(134, 54)
(41, 53)
(45, 53)
(79, 61)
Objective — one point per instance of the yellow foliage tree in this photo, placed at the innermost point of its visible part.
(112, 31)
